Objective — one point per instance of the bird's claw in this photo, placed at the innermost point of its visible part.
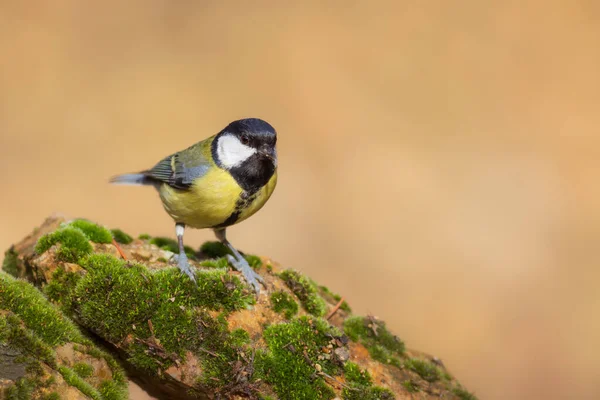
(184, 266)
(249, 274)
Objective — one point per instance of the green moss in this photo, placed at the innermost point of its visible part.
(218, 350)
(334, 298)
(221, 351)
(217, 250)
(14, 332)
(116, 298)
(176, 327)
(83, 370)
(355, 375)
(34, 368)
(4, 331)
(118, 375)
(61, 286)
(10, 264)
(306, 291)
(144, 236)
(367, 393)
(445, 375)
(294, 348)
(379, 393)
(112, 296)
(373, 334)
(76, 381)
(172, 246)
(239, 337)
(17, 335)
(112, 390)
(215, 289)
(254, 261)
(214, 249)
(463, 394)
(162, 260)
(51, 396)
(74, 244)
(285, 304)
(424, 369)
(22, 389)
(116, 295)
(220, 263)
(360, 385)
(410, 386)
(121, 237)
(35, 327)
(382, 354)
(166, 244)
(94, 232)
(37, 313)
(139, 356)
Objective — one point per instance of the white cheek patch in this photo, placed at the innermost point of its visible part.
(232, 152)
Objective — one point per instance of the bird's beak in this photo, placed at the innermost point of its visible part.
(268, 152)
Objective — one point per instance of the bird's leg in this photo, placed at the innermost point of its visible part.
(239, 262)
(183, 263)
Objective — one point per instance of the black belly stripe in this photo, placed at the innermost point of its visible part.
(242, 203)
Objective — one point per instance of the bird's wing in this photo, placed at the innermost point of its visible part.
(180, 170)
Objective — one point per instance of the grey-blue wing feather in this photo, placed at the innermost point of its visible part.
(176, 173)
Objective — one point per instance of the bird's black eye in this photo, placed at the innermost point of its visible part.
(245, 139)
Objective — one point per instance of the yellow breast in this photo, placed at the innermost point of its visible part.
(212, 200)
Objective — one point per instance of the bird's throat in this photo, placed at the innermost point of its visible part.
(253, 173)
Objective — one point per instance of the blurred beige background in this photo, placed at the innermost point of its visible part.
(439, 161)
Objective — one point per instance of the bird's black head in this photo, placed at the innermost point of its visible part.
(246, 148)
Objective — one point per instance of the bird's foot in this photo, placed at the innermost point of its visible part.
(184, 266)
(250, 275)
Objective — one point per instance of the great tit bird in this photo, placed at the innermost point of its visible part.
(216, 183)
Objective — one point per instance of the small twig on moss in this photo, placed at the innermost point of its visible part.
(145, 277)
(337, 307)
(290, 347)
(121, 253)
(334, 379)
(151, 327)
(306, 357)
(208, 352)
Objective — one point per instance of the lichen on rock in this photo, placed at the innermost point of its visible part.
(210, 340)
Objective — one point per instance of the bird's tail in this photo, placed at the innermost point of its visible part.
(131, 179)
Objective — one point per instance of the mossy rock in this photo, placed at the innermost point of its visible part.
(10, 264)
(373, 334)
(93, 231)
(48, 349)
(297, 340)
(306, 290)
